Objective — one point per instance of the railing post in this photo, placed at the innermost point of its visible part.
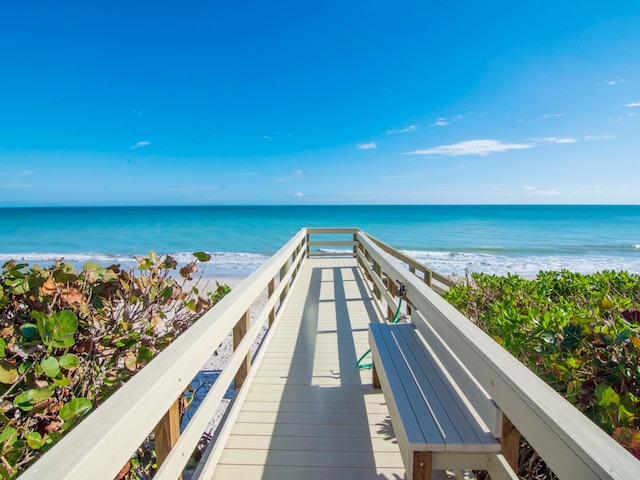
(308, 246)
(378, 272)
(355, 245)
(167, 433)
(510, 442)
(270, 289)
(283, 271)
(428, 276)
(239, 332)
(392, 290)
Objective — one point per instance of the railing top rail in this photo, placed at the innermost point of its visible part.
(332, 230)
(572, 445)
(105, 440)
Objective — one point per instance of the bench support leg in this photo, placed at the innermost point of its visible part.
(374, 376)
(510, 443)
(422, 463)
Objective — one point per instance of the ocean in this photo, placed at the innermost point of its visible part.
(451, 239)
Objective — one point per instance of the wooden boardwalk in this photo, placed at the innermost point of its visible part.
(309, 413)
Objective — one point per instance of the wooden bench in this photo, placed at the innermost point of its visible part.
(442, 418)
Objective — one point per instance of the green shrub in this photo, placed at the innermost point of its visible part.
(577, 332)
(69, 339)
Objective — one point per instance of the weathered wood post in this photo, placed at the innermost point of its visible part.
(378, 272)
(270, 289)
(428, 276)
(167, 433)
(239, 332)
(510, 442)
(283, 271)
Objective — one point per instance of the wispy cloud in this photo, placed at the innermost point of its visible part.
(298, 195)
(440, 122)
(141, 144)
(472, 147)
(15, 185)
(554, 140)
(611, 83)
(293, 176)
(605, 136)
(367, 146)
(410, 128)
(553, 115)
(534, 191)
(633, 104)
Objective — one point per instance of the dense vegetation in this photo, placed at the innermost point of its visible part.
(579, 333)
(69, 339)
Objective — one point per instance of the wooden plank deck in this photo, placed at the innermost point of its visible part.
(309, 413)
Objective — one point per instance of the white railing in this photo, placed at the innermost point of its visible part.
(572, 445)
(103, 442)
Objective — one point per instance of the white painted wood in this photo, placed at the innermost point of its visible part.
(101, 444)
(569, 442)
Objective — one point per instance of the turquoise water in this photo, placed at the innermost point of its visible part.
(451, 239)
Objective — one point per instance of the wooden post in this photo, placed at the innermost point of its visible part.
(375, 380)
(378, 272)
(308, 247)
(422, 464)
(239, 332)
(283, 271)
(270, 289)
(510, 442)
(167, 432)
(392, 290)
(355, 245)
(428, 277)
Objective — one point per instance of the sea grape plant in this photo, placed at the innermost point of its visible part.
(579, 333)
(69, 339)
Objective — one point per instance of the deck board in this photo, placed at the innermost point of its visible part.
(309, 412)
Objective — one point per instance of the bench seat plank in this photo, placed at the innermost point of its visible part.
(429, 409)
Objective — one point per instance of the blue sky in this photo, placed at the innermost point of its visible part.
(356, 102)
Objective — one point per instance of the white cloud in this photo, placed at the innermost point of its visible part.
(298, 194)
(613, 82)
(440, 122)
(633, 104)
(140, 144)
(367, 146)
(554, 140)
(605, 136)
(410, 128)
(287, 178)
(553, 115)
(15, 185)
(533, 191)
(472, 147)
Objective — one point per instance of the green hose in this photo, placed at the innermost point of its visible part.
(369, 365)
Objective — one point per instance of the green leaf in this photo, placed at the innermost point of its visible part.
(66, 324)
(8, 435)
(605, 304)
(624, 335)
(202, 256)
(35, 440)
(9, 375)
(145, 354)
(29, 331)
(26, 400)
(75, 408)
(50, 366)
(69, 361)
(605, 396)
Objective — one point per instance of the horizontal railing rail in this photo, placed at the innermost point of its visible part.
(105, 441)
(572, 445)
